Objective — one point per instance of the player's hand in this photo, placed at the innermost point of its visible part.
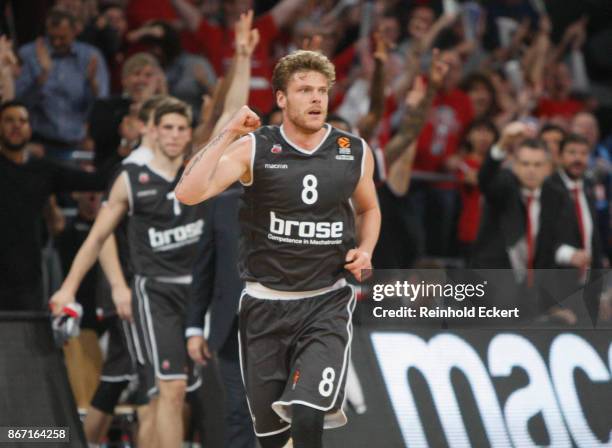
(244, 121)
(356, 261)
(122, 298)
(246, 37)
(197, 347)
(581, 259)
(59, 300)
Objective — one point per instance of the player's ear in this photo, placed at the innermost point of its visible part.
(281, 99)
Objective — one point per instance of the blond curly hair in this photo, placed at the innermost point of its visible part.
(301, 61)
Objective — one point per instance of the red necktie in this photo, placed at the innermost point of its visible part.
(576, 193)
(529, 238)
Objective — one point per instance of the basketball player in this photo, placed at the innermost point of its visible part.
(163, 236)
(304, 183)
(122, 356)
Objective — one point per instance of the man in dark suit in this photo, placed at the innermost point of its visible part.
(217, 286)
(527, 219)
(574, 155)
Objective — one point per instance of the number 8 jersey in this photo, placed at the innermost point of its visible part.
(297, 221)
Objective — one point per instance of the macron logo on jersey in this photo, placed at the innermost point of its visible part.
(162, 240)
(305, 229)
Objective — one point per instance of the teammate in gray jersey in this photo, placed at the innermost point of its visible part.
(304, 184)
(161, 299)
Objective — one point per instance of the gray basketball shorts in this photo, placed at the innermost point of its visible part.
(159, 316)
(121, 357)
(295, 351)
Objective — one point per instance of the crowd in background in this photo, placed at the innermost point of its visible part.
(451, 96)
(84, 67)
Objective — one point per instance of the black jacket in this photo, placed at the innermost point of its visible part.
(216, 281)
(596, 246)
(504, 215)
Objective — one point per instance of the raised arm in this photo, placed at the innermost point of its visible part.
(418, 104)
(220, 163)
(231, 91)
(284, 11)
(246, 39)
(368, 123)
(189, 13)
(365, 202)
(491, 183)
(105, 223)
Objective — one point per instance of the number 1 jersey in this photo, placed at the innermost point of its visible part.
(162, 233)
(297, 221)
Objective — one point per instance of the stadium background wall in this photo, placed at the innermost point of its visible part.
(429, 388)
(422, 387)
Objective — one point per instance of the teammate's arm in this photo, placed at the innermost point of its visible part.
(121, 293)
(223, 161)
(367, 210)
(105, 223)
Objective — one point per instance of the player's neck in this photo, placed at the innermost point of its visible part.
(302, 138)
(148, 141)
(165, 164)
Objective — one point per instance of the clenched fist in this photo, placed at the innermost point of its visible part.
(244, 121)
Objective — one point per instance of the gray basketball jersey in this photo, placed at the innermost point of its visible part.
(162, 233)
(297, 223)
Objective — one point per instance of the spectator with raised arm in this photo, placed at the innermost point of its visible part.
(523, 209)
(400, 244)
(232, 92)
(216, 40)
(435, 204)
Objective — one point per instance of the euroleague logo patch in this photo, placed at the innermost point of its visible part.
(344, 149)
(276, 149)
(344, 142)
(143, 178)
